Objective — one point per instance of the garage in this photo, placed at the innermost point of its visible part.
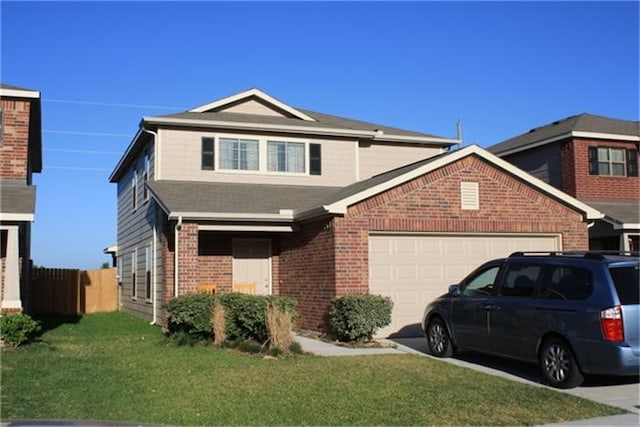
(413, 269)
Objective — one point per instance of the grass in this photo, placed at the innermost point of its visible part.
(114, 367)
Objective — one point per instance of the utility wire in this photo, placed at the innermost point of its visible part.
(110, 104)
(70, 132)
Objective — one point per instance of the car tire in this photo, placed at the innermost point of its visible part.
(559, 365)
(438, 339)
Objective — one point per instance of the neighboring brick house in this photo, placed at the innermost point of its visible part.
(594, 159)
(20, 157)
(250, 194)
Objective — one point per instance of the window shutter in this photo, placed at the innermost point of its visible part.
(593, 160)
(207, 154)
(315, 159)
(632, 162)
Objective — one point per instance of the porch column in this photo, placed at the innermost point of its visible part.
(11, 270)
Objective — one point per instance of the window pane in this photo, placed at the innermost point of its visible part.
(227, 150)
(482, 283)
(248, 154)
(295, 157)
(520, 280)
(603, 169)
(617, 155)
(567, 283)
(603, 154)
(617, 169)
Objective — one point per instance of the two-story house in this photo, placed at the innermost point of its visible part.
(20, 157)
(594, 159)
(250, 194)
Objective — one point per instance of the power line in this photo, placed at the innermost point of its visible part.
(111, 104)
(71, 132)
(65, 150)
(81, 169)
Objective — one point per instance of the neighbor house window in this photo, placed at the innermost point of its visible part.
(285, 156)
(134, 268)
(613, 161)
(239, 154)
(315, 159)
(207, 154)
(147, 275)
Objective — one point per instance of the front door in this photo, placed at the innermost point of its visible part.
(252, 266)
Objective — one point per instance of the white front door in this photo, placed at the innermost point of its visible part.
(252, 266)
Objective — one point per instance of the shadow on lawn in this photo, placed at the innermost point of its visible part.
(49, 322)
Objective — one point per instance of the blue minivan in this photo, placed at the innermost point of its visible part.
(574, 314)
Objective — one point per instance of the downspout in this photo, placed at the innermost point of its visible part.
(175, 266)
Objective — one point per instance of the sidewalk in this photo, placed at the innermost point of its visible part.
(415, 346)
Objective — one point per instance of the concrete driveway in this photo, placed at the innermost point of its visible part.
(622, 392)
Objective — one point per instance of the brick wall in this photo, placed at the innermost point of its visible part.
(578, 182)
(15, 142)
(306, 271)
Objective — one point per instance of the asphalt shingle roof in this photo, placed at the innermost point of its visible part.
(579, 123)
(17, 198)
(622, 211)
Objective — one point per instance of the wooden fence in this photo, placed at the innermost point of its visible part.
(72, 292)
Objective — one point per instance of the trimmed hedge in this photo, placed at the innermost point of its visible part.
(358, 317)
(17, 329)
(245, 315)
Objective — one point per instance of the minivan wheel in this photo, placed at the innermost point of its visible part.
(559, 365)
(438, 339)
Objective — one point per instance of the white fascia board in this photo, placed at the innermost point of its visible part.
(416, 139)
(535, 144)
(19, 217)
(126, 154)
(341, 206)
(239, 227)
(258, 126)
(226, 216)
(598, 135)
(257, 93)
(573, 134)
(19, 93)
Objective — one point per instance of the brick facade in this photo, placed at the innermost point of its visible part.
(14, 150)
(579, 183)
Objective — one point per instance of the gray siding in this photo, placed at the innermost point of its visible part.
(542, 162)
(135, 231)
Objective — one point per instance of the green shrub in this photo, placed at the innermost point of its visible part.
(18, 328)
(191, 314)
(358, 317)
(245, 315)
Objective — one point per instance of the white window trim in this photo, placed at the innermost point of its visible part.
(148, 276)
(262, 154)
(134, 274)
(134, 190)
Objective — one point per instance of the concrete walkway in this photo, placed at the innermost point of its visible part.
(625, 396)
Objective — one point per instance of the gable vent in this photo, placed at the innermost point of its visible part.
(469, 196)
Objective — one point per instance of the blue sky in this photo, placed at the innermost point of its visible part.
(502, 68)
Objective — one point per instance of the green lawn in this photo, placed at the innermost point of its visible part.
(118, 368)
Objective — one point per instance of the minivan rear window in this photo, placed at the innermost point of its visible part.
(626, 281)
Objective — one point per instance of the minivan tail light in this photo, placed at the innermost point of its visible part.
(612, 324)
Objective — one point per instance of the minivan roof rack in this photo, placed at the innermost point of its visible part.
(599, 255)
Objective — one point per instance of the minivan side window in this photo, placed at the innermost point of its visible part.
(482, 283)
(625, 279)
(567, 283)
(520, 280)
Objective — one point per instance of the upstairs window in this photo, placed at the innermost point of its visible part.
(285, 156)
(315, 159)
(239, 154)
(613, 161)
(134, 190)
(145, 175)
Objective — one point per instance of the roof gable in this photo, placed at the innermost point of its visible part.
(252, 101)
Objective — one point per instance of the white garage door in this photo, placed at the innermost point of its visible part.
(415, 269)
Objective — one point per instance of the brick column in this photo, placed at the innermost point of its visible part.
(188, 265)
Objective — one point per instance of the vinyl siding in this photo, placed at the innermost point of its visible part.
(542, 162)
(180, 160)
(135, 230)
(377, 158)
(253, 107)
